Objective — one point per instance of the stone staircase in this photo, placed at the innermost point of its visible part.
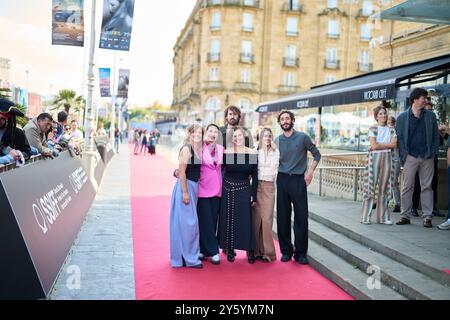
(410, 262)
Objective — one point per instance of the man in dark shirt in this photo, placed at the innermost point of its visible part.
(292, 182)
(418, 139)
(434, 183)
(232, 119)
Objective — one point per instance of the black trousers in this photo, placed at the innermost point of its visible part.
(291, 190)
(208, 210)
(434, 184)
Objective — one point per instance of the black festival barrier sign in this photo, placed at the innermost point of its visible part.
(43, 206)
(105, 148)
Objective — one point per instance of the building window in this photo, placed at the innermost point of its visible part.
(248, 22)
(249, 2)
(332, 4)
(214, 55)
(245, 76)
(292, 26)
(364, 63)
(367, 8)
(289, 79)
(364, 57)
(331, 62)
(216, 23)
(245, 104)
(330, 78)
(290, 58)
(213, 104)
(333, 29)
(294, 5)
(216, 1)
(214, 74)
(331, 54)
(246, 52)
(366, 32)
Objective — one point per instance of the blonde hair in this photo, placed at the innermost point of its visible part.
(190, 130)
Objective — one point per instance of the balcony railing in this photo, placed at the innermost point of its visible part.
(365, 67)
(332, 64)
(288, 89)
(240, 3)
(291, 33)
(247, 58)
(213, 85)
(214, 28)
(287, 7)
(247, 29)
(291, 62)
(333, 35)
(213, 57)
(245, 86)
(364, 13)
(365, 38)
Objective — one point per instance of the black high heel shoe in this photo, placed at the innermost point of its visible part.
(230, 257)
(251, 257)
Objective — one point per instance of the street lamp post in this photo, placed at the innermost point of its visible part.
(89, 151)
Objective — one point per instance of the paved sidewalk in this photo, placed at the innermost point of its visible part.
(103, 250)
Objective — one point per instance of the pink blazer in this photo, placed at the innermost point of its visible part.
(210, 182)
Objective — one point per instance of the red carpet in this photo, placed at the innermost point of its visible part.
(151, 187)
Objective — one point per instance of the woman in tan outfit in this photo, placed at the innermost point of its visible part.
(268, 161)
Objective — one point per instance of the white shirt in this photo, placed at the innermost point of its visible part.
(268, 166)
(77, 135)
(383, 136)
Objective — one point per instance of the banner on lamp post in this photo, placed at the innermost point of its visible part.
(68, 22)
(124, 81)
(117, 24)
(105, 82)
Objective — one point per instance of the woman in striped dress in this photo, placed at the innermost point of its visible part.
(382, 141)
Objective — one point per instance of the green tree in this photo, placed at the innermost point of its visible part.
(68, 100)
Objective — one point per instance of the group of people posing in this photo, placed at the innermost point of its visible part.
(224, 196)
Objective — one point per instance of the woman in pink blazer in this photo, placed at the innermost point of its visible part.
(209, 194)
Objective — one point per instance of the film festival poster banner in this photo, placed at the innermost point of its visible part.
(68, 22)
(117, 23)
(105, 83)
(124, 81)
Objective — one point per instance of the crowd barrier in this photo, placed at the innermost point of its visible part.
(42, 208)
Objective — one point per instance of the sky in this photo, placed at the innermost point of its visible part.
(25, 38)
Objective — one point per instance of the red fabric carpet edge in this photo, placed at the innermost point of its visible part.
(151, 187)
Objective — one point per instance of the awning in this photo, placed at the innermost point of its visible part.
(374, 86)
(421, 11)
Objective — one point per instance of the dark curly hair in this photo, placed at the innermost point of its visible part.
(290, 113)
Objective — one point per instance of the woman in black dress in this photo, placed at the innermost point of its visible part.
(238, 196)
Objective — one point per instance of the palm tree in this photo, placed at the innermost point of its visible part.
(68, 99)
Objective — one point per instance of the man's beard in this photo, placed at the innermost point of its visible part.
(291, 125)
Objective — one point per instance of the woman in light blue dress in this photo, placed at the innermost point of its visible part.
(184, 233)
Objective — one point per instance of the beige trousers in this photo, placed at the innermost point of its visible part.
(263, 220)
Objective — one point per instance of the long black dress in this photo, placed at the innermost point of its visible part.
(235, 221)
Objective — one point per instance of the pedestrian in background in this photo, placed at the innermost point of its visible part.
(418, 138)
(378, 175)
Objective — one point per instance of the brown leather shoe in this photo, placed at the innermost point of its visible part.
(427, 223)
(403, 221)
